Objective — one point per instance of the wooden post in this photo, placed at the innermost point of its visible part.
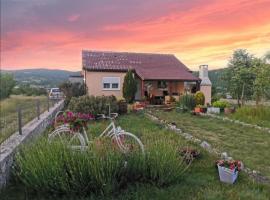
(48, 103)
(109, 110)
(38, 109)
(142, 89)
(20, 120)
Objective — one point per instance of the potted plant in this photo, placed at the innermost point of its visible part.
(200, 109)
(197, 109)
(76, 121)
(228, 170)
(221, 105)
(203, 109)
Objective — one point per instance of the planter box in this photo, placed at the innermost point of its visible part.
(226, 175)
(213, 110)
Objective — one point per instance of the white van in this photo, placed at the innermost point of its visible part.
(55, 93)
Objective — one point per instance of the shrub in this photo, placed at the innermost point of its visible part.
(122, 106)
(52, 167)
(199, 98)
(93, 105)
(129, 87)
(163, 163)
(221, 104)
(6, 85)
(29, 91)
(259, 115)
(72, 90)
(187, 101)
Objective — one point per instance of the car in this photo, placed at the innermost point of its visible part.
(55, 93)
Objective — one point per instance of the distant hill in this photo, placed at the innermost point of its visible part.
(40, 77)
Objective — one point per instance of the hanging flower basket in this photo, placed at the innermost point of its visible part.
(228, 170)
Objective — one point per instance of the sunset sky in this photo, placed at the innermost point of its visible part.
(52, 33)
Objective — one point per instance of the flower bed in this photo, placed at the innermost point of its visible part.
(76, 121)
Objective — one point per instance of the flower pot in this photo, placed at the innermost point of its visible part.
(213, 110)
(197, 110)
(227, 175)
(203, 110)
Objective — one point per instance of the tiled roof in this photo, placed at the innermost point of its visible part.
(147, 66)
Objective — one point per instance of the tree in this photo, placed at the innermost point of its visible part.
(72, 90)
(240, 75)
(129, 87)
(6, 85)
(266, 58)
(261, 83)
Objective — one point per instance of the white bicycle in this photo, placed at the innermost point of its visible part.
(126, 141)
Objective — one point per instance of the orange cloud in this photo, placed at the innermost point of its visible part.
(206, 33)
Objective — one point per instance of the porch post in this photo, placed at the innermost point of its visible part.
(197, 86)
(142, 89)
(170, 88)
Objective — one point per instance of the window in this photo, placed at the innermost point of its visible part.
(111, 83)
(106, 85)
(162, 84)
(115, 85)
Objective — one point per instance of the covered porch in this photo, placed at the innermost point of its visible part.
(158, 92)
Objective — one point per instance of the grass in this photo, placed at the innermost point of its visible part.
(259, 115)
(247, 144)
(199, 182)
(9, 115)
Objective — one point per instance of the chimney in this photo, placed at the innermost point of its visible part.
(206, 85)
(203, 75)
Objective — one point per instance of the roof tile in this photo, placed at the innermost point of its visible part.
(147, 65)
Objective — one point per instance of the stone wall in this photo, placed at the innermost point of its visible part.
(32, 129)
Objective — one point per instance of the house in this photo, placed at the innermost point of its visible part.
(158, 75)
(76, 79)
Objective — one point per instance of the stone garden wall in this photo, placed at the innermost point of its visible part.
(32, 129)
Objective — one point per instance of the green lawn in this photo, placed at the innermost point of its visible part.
(258, 115)
(244, 143)
(9, 116)
(201, 181)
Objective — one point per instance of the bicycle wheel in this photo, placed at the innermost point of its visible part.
(128, 142)
(73, 139)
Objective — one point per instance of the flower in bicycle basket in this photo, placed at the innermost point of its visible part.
(76, 121)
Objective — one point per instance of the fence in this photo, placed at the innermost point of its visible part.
(18, 110)
(29, 131)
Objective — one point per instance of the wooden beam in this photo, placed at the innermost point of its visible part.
(142, 89)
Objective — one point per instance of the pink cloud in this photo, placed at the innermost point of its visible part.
(74, 17)
(207, 32)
